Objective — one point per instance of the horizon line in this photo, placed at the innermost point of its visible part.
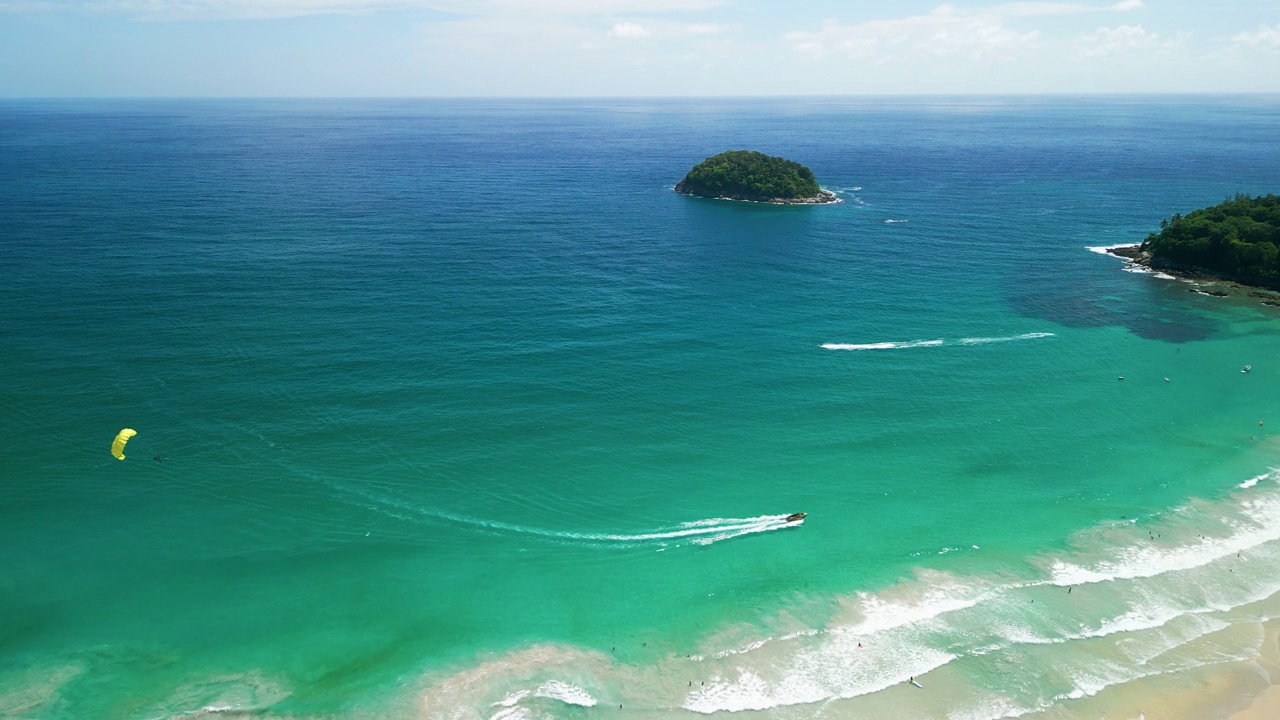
(1036, 94)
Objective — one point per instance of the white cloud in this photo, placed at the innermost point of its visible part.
(1265, 37)
(664, 30)
(1042, 9)
(574, 7)
(1105, 41)
(706, 29)
(178, 10)
(628, 30)
(1037, 9)
(945, 31)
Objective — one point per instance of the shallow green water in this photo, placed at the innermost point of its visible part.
(427, 408)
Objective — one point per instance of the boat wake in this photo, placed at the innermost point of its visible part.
(934, 343)
(884, 345)
(985, 340)
(697, 532)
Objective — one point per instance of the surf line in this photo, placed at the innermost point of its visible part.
(934, 343)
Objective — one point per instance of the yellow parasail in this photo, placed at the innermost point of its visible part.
(117, 446)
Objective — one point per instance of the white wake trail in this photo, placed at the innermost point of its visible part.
(701, 532)
(933, 343)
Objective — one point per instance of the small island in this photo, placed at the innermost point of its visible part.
(1237, 240)
(754, 177)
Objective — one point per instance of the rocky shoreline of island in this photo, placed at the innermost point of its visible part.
(822, 198)
(1202, 282)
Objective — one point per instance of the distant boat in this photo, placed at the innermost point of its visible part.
(796, 517)
(1246, 368)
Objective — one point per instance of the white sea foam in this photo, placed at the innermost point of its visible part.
(993, 708)
(808, 632)
(566, 693)
(1130, 265)
(512, 713)
(1148, 618)
(1176, 633)
(1099, 674)
(879, 614)
(1174, 608)
(739, 651)
(1254, 480)
(814, 675)
(892, 221)
(1155, 623)
(1261, 524)
(512, 699)
(1106, 249)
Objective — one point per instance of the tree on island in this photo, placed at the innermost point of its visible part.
(750, 175)
(1237, 239)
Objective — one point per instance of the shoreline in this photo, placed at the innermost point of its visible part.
(1186, 628)
(1266, 704)
(1203, 283)
(824, 197)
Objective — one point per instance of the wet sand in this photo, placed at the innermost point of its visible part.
(1266, 705)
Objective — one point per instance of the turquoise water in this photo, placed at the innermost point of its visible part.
(457, 400)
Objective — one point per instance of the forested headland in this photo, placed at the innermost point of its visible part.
(1237, 239)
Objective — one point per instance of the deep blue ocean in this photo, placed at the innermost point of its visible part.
(453, 408)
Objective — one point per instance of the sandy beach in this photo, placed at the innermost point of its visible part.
(1266, 704)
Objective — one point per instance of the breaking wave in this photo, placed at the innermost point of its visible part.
(1128, 603)
(1106, 249)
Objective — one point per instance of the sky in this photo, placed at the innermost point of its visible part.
(608, 48)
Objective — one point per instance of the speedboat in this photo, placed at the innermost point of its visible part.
(796, 517)
(1246, 368)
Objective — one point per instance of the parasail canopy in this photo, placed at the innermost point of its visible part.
(117, 446)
